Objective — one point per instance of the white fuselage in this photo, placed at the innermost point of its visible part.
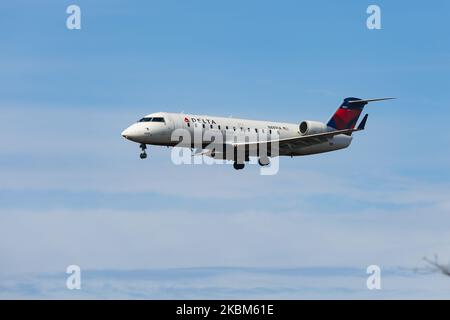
(160, 132)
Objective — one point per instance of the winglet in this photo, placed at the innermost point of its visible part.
(362, 124)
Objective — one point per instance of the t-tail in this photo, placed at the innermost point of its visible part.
(348, 113)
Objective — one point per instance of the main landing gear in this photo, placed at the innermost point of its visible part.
(264, 161)
(143, 147)
(238, 166)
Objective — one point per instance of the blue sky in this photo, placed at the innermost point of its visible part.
(73, 191)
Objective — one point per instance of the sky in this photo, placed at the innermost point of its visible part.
(74, 192)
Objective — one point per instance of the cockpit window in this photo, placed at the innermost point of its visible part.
(152, 119)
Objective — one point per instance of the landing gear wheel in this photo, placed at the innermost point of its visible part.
(264, 162)
(238, 166)
(143, 155)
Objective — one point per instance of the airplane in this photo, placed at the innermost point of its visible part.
(291, 139)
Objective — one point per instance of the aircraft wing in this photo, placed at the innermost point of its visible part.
(288, 143)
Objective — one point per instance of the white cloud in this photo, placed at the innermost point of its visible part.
(102, 239)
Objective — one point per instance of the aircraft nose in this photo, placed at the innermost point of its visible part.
(126, 133)
(133, 133)
(130, 133)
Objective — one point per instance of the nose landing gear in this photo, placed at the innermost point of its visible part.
(143, 147)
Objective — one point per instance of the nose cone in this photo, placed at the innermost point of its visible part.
(131, 133)
(126, 133)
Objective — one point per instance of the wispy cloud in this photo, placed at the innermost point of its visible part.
(227, 283)
(50, 240)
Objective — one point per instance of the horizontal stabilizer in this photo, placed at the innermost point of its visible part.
(369, 100)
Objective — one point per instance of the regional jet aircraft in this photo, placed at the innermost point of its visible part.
(222, 138)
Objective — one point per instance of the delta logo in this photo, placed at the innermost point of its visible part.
(201, 120)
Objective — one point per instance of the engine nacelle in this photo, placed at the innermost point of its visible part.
(312, 127)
